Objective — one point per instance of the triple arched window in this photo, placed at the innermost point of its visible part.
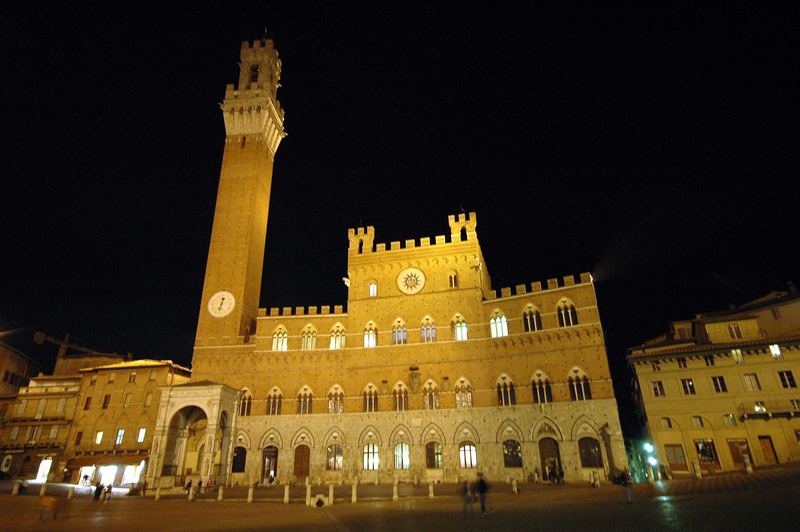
(463, 393)
(400, 397)
(430, 396)
(370, 335)
(245, 404)
(280, 340)
(305, 401)
(336, 400)
(531, 319)
(274, 402)
(308, 338)
(370, 399)
(579, 388)
(399, 333)
(459, 329)
(498, 325)
(542, 391)
(337, 337)
(427, 330)
(567, 315)
(506, 395)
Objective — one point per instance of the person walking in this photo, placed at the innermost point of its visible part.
(98, 490)
(188, 486)
(482, 487)
(625, 480)
(466, 495)
(107, 495)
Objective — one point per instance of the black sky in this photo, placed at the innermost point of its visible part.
(656, 146)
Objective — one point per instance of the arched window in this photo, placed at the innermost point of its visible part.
(463, 393)
(335, 400)
(498, 325)
(427, 330)
(239, 460)
(402, 456)
(280, 340)
(373, 289)
(400, 397)
(542, 391)
(430, 396)
(399, 332)
(589, 449)
(274, 402)
(452, 280)
(531, 319)
(468, 455)
(370, 335)
(334, 457)
(567, 315)
(308, 338)
(370, 396)
(337, 337)
(245, 404)
(459, 328)
(305, 401)
(433, 455)
(512, 453)
(506, 396)
(371, 459)
(579, 389)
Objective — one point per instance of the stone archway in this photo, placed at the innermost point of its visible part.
(269, 462)
(184, 444)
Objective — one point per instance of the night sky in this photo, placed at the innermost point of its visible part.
(655, 146)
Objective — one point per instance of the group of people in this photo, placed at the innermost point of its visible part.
(102, 491)
(468, 492)
(555, 474)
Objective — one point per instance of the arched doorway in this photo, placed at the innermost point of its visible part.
(239, 462)
(548, 452)
(269, 459)
(302, 459)
(190, 451)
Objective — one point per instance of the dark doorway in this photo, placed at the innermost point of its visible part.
(770, 458)
(302, 457)
(239, 460)
(548, 452)
(269, 458)
(739, 449)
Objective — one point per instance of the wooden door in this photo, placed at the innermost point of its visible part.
(675, 457)
(739, 449)
(302, 457)
(548, 453)
(768, 450)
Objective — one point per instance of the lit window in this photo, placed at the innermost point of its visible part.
(759, 407)
(373, 289)
(400, 398)
(688, 387)
(579, 388)
(430, 396)
(370, 335)
(719, 384)
(697, 422)
(468, 455)
(736, 355)
(98, 437)
(308, 338)
(751, 382)
(335, 401)
(734, 331)
(140, 436)
(709, 359)
(305, 400)
(512, 453)
(730, 420)
(399, 333)
(498, 326)
(706, 452)
(334, 457)
(665, 422)
(402, 456)
(371, 459)
(542, 391)
(463, 393)
(658, 389)
(280, 340)
(433, 455)
(460, 329)
(337, 337)
(531, 319)
(370, 399)
(567, 315)
(427, 330)
(274, 402)
(787, 379)
(127, 401)
(506, 395)
(775, 349)
(120, 435)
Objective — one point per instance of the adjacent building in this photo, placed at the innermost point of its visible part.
(428, 373)
(721, 389)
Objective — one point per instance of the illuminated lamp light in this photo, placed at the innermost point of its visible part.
(648, 447)
(652, 461)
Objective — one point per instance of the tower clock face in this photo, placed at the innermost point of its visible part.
(410, 281)
(221, 304)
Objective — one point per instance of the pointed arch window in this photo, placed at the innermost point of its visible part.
(245, 404)
(498, 325)
(274, 402)
(335, 401)
(468, 455)
(506, 395)
(463, 393)
(370, 335)
(280, 340)
(371, 457)
(373, 289)
(531, 319)
(430, 396)
(459, 329)
(400, 398)
(399, 333)
(567, 315)
(579, 387)
(370, 399)
(452, 280)
(337, 337)
(305, 401)
(308, 338)
(427, 330)
(542, 391)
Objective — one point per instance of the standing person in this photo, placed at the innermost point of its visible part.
(144, 488)
(560, 475)
(98, 490)
(107, 496)
(200, 486)
(466, 495)
(188, 486)
(625, 480)
(482, 487)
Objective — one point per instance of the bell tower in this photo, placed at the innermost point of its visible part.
(253, 130)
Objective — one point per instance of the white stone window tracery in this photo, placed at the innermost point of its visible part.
(337, 337)
(274, 403)
(308, 339)
(459, 329)
(531, 319)
(370, 335)
(427, 330)
(400, 397)
(567, 315)
(280, 340)
(305, 401)
(579, 387)
(370, 399)
(430, 396)
(335, 401)
(399, 333)
(463, 393)
(498, 325)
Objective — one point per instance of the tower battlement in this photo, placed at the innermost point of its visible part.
(462, 229)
